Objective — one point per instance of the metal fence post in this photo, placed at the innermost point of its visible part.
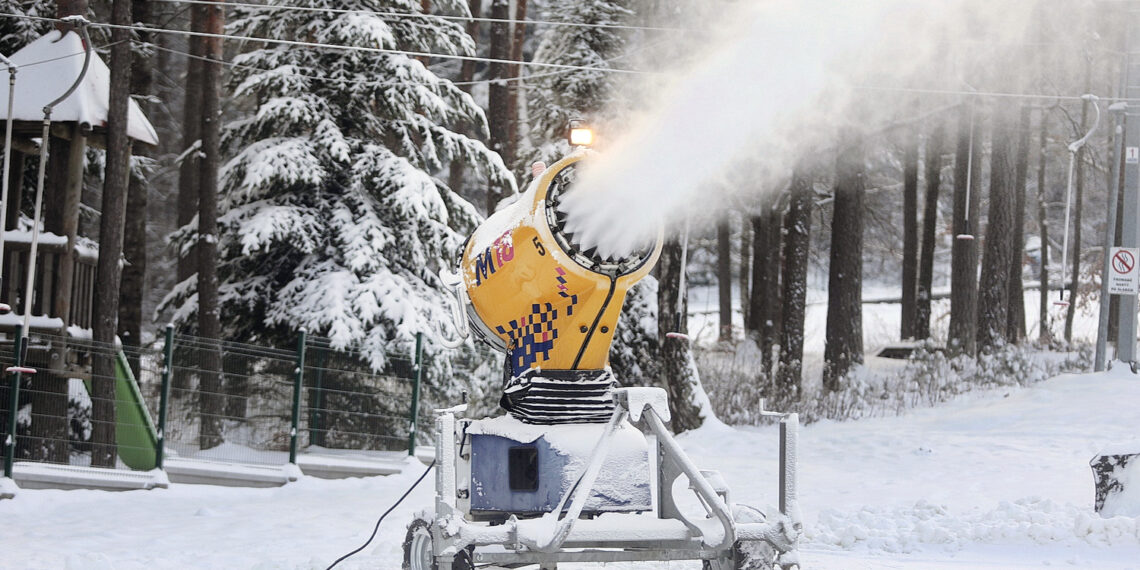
(317, 401)
(297, 381)
(413, 415)
(164, 395)
(14, 403)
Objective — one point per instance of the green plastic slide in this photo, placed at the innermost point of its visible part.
(135, 435)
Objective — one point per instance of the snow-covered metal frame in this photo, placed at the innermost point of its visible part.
(664, 533)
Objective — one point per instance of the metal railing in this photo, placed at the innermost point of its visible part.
(68, 413)
(211, 400)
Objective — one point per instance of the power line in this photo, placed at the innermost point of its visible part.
(385, 51)
(325, 78)
(996, 94)
(328, 79)
(412, 15)
(561, 68)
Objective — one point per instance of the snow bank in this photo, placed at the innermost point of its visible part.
(1028, 521)
(8, 488)
(1126, 503)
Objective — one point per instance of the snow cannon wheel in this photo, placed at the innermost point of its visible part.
(751, 555)
(418, 552)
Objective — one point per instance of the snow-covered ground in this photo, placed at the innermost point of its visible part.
(992, 480)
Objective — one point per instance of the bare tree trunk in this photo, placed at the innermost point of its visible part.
(1015, 326)
(910, 236)
(964, 254)
(724, 277)
(676, 354)
(754, 315)
(773, 321)
(518, 35)
(1044, 329)
(993, 299)
(844, 342)
(797, 242)
(211, 398)
(466, 76)
(107, 271)
(743, 277)
(498, 112)
(929, 228)
(134, 240)
(1078, 214)
(191, 133)
(764, 298)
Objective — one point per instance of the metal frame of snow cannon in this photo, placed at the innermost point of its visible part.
(669, 534)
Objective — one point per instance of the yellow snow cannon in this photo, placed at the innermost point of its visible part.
(529, 487)
(534, 293)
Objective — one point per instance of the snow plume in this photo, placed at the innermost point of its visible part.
(780, 87)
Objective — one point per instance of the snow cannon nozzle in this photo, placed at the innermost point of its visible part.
(532, 291)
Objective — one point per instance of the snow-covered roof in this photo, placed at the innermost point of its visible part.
(47, 68)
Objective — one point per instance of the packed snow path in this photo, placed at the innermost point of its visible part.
(993, 480)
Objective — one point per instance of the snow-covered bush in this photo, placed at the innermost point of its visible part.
(634, 356)
(734, 380)
(78, 416)
(930, 376)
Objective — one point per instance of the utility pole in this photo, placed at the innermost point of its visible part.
(1126, 345)
(1109, 240)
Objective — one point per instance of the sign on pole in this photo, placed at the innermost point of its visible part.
(1123, 275)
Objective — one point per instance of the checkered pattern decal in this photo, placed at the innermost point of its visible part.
(533, 335)
(562, 292)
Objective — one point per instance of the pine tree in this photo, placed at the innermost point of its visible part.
(993, 289)
(844, 344)
(16, 33)
(108, 274)
(964, 252)
(933, 165)
(797, 244)
(910, 236)
(331, 217)
(555, 98)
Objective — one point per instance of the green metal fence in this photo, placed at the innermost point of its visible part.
(212, 400)
(70, 415)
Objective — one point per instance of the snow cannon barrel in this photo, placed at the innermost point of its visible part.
(538, 296)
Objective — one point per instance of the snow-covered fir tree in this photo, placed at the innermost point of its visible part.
(332, 217)
(635, 356)
(17, 32)
(554, 97)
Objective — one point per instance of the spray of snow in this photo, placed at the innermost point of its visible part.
(781, 85)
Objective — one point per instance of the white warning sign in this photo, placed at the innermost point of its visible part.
(1132, 155)
(1123, 276)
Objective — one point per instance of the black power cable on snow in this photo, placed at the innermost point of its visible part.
(381, 519)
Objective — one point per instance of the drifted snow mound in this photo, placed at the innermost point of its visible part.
(1032, 520)
(1125, 503)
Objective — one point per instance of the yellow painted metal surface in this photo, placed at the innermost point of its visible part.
(548, 307)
